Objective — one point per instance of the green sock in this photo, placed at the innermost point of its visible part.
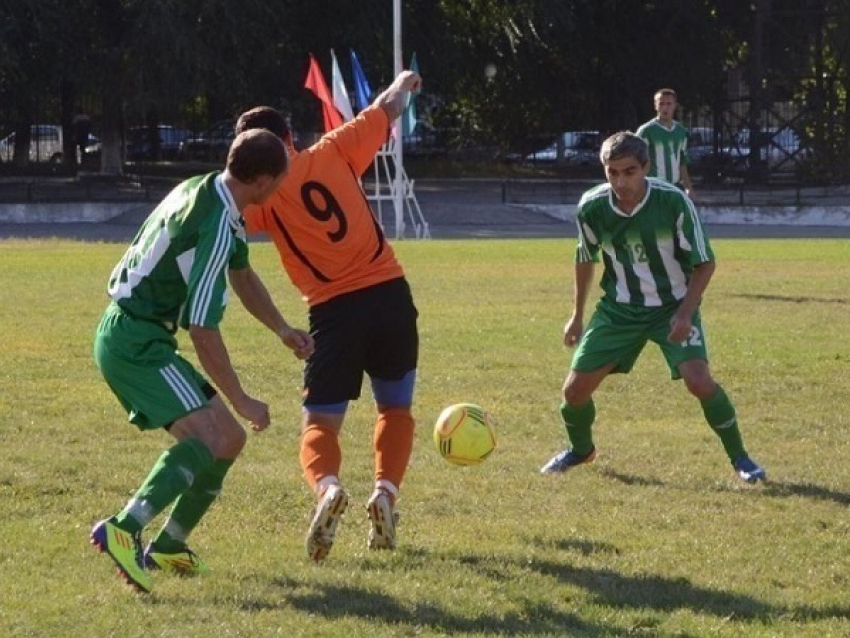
(191, 506)
(578, 420)
(175, 470)
(720, 414)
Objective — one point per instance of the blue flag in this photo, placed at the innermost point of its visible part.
(362, 91)
(409, 117)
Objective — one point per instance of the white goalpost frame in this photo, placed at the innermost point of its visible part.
(399, 186)
(383, 174)
(397, 191)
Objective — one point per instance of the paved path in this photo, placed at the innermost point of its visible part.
(454, 209)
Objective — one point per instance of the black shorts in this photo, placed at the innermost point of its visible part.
(372, 330)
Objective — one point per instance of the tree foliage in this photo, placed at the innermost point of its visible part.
(504, 74)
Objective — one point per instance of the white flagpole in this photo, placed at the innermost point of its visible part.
(398, 194)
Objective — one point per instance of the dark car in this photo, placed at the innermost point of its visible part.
(142, 141)
(211, 145)
(701, 145)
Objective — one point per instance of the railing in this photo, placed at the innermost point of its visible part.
(82, 190)
(568, 192)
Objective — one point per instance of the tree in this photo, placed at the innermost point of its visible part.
(500, 75)
(585, 64)
(30, 45)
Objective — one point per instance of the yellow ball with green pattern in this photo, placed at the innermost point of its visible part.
(464, 434)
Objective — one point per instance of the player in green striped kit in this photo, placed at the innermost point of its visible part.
(657, 264)
(174, 275)
(668, 143)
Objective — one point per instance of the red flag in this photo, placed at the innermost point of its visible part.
(316, 83)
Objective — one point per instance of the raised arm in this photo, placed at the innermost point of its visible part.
(394, 98)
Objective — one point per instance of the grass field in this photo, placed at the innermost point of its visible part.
(657, 538)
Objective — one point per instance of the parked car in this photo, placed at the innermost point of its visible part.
(210, 145)
(46, 144)
(701, 145)
(141, 140)
(708, 158)
(581, 148)
(780, 148)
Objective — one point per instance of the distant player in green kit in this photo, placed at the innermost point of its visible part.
(657, 265)
(668, 143)
(174, 275)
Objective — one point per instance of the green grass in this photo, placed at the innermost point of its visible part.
(658, 538)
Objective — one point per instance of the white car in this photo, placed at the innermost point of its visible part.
(780, 147)
(46, 144)
(581, 148)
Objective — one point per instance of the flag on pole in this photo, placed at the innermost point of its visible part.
(362, 90)
(409, 116)
(340, 93)
(316, 83)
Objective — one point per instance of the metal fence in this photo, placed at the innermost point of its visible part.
(733, 144)
(556, 192)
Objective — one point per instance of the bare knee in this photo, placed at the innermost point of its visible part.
(230, 438)
(234, 440)
(578, 390)
(698, 381)
(215, 427)
(574, 395)
(580, 386)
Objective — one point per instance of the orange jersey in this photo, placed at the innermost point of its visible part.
(320, 220)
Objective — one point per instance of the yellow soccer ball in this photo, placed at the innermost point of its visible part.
(464, 434)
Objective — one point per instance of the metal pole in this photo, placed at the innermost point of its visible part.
(398, 195)
(758, 168)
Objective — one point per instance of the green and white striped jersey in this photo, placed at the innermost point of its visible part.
(175, 271)
(668, 149)
(649, 255)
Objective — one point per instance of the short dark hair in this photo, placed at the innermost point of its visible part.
(264, 117)
(665, 91)
(254, 153)
(624, 144)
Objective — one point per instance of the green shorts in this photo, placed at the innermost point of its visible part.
(139, 360)
(617, 334)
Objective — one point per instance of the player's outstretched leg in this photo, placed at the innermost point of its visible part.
(125, 549)
(324, 519)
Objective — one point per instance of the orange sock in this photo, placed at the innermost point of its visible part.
(393, 444)
(321, 455)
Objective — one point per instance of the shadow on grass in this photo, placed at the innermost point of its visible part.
(339, 601)
(614, 589)
(606, 588)
(792, 299)
(631, 479)
(816, 492)
(586, 548)
(769, 488)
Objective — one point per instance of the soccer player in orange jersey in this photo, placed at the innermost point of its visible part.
(362, 315)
